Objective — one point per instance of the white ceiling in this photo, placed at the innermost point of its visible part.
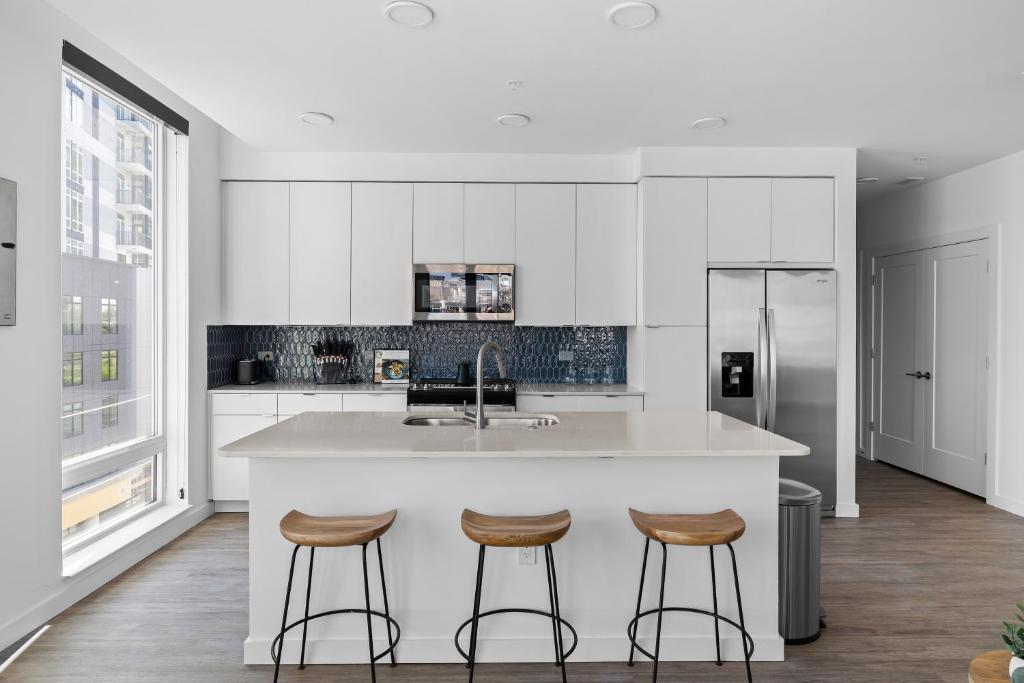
(896, 79)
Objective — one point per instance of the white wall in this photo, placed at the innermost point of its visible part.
(31, 585)
(980, 197)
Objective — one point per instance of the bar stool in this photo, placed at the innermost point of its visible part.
(517, 532)
(335, 532)
(720, 528)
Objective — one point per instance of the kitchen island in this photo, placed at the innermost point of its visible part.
(596, 465)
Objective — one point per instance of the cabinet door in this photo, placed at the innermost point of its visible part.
(381, 254)
(293, 404)
(803, 219)
(675, 234)
(556, 403)
(545, 255)
(490, 223)
(376, 403)
(606, 254)
(319, 254)
(675, 368)
(437, 223)
(739, 219)
(255, 248)
(229, 477)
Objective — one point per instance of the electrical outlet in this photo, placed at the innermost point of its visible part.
(265, 356)
(527, 556)
(566, 355)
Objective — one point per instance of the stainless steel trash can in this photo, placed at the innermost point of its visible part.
(799, 562)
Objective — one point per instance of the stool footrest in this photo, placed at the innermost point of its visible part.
(748, 640)
(375, 613)
(517, 610)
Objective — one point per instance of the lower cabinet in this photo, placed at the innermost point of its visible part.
(229, 477)
(553, 403)
(375, 403)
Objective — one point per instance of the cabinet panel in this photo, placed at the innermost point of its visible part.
(375, 402)
(545, 255)
(293, 404)
(606, 254)
(675, 368)
(437, 223)
(229, 477)
(675, 234)
(803, 219)
(739, 219)
(244, 404)
(255, 244)
(381, 254)
(555, 403)
(319, 253)
(489, 223)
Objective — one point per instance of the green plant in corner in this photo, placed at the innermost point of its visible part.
(1013, 637)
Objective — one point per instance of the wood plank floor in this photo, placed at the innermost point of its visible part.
(914, 588)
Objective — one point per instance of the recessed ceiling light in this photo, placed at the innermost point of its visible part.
(514, 120)
(921, 160)
(409, 13)
(866, 180)
(316, 118)
(633, 15)
(708, 123)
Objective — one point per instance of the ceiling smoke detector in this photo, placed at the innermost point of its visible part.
(633, 15)
(409, 13)
(921, 159)
(513, 120)
(316, 118)
(709, 123)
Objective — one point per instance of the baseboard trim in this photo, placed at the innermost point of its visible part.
(769, 648)
(231, 505)
(73, 589)
(847, 510)
(1006, 503)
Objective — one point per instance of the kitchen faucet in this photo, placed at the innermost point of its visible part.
(478, 419)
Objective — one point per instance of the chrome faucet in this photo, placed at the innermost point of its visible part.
(478, 419)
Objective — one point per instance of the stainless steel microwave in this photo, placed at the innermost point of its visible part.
(459, 291)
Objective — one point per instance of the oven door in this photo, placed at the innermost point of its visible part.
(452, 408)
(463, 292)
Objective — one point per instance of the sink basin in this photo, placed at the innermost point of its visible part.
(497, 421)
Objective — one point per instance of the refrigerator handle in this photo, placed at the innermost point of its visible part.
(761, 390)
(772, 375)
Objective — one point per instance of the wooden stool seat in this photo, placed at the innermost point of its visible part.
(991, 667)
(719, 528)
(334, 532)
(515, 532)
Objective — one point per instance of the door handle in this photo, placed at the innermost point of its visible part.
(761, 388)
(772, 374)
(925, 375)
(919, 374)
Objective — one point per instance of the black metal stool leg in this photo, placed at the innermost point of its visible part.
(305, 624)
(714, 602)
(384, 590)
(639, 597)
(551, 602)
(558, 610)
(369, 621)
(284, 619)
(476, 613)
(661, 605)
(739, 606)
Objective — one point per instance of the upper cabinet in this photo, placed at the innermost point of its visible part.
(437, 223)
(674, 214)
(382, 253)
(255, 244)
(545, 254)
(780, 220)
(320, 236)
(803, 220)
(605, 254)
(489, 223)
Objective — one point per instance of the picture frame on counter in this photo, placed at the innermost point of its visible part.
(391, 366)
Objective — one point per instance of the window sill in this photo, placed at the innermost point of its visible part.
(104, 548)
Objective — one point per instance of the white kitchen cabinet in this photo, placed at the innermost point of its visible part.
(375, 403)
(555, 403)
(229, 477)
(545, 254)
(803, 220)
(489, 223)
(739, 219)
(254, 253)
(382, 254)
(319, 253)
(437, 223)
(675, 368)
(606, 254)
(675, 233)
(293, 404)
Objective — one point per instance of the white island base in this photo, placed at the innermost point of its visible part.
(596, 465)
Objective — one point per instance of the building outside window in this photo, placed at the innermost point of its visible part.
(109, 412)
(72, 315)
(108, 365)
(108, 316)
(74, 420)
(72, 368)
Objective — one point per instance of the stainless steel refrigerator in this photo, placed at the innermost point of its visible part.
(772, 362)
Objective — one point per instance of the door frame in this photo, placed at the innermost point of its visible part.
(866, 335)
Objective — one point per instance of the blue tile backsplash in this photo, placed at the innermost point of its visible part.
(435, 349)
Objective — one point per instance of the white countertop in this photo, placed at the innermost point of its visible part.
(524, 389)
(594, 434)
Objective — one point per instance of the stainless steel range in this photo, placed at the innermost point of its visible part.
(447, 394)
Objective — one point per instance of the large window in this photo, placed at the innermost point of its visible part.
(112, 311)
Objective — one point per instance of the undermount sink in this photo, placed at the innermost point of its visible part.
(498, 421)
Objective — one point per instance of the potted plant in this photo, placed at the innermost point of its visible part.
(1013, 637)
